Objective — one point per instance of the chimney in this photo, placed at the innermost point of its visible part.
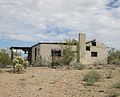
(81, 48)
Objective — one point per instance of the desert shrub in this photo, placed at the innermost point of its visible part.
(32, 76)
(114, 56)
(22, 79)
(95, 64)
(91, 78)
(114, 94)
(79, 66)
(39, 62)
(109, 75)
(4, 58)
(115, 61)
(18, 68)
(55, 64)
(90, 68)
(98, 67)
(117, 85)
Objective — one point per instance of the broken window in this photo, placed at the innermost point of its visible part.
(55, 52)
(87, 48)
(93, 43)
(93, 54)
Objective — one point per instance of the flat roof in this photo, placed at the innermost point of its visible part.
(23, 48)
(62, 43)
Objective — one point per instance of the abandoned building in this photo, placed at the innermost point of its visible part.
(90, 52)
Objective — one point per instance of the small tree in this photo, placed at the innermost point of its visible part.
(68, 53)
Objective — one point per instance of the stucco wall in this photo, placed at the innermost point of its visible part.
(45, 53)
(102, 55)
(37, 53)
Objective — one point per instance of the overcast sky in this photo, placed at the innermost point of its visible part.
(25, 22)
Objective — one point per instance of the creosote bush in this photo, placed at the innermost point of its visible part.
(91, 78)
(4, 58)
(114, 56)
(117, 85)
(79, 66)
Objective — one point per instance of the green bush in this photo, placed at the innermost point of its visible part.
(91, 78)
(115, 61)
(117, 85)
(4, 58)
(79, 66)
(114, 56)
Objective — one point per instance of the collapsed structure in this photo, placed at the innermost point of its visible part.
(87, 52)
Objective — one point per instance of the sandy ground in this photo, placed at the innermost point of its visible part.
(47, 82)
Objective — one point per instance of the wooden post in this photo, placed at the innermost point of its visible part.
(11, 54)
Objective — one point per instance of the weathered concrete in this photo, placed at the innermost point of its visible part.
(43, 51)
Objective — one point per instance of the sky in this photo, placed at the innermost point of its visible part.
(27, 22)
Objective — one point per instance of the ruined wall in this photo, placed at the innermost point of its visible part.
(37, 47)
(46, 50)
(102, 54)
(83, 56)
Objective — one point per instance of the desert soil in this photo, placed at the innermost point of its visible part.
(47, 82)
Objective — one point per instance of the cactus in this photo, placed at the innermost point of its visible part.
(20, 60)
(19, 63)
(25, 64)
(18, 68)
(14, 62)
